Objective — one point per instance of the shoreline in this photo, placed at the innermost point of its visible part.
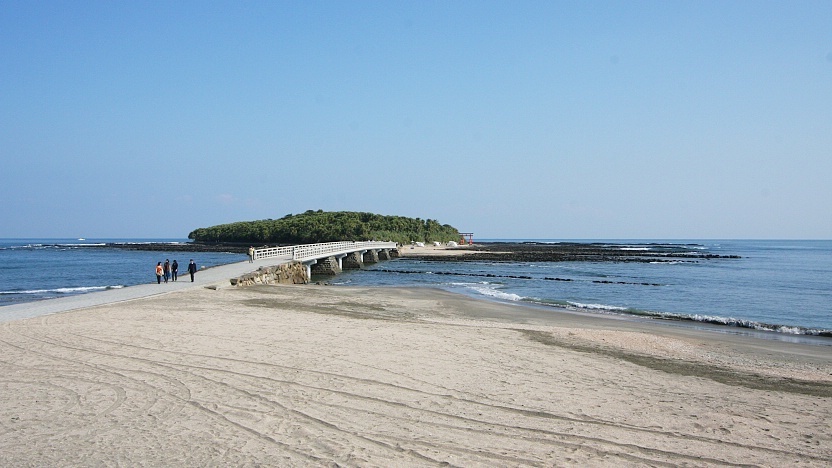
(597, 333)
(441, 253)
(217, 276)
(820, 338)
(613, 252)
(308, 374)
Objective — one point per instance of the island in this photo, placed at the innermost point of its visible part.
(312, 227)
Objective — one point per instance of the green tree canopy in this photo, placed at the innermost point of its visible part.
(328, 226)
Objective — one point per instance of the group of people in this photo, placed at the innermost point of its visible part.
(170, 271)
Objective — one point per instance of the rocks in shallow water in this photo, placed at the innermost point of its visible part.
(576, 252)
(491, 275)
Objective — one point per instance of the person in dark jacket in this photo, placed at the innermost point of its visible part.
(192, 269)
(174, 270)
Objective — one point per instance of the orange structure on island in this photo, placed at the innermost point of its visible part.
(466, 238)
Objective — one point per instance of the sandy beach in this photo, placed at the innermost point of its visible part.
(332, 376)
(435, 250)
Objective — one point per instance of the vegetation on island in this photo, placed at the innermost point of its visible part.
(314, 227)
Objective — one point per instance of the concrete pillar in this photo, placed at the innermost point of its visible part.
(341, 261)
(308, 265)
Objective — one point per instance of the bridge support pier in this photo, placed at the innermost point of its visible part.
(341, 261)
(353, 261)
(371, 256)
(308, 264)
(326, 266)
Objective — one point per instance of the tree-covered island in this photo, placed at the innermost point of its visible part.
(314, 227)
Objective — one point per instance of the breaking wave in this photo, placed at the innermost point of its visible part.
(491, 290)
(77, 290)
(709, 319)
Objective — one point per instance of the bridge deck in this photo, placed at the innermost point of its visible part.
(308, 252)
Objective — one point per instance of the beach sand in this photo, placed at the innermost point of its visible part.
(429, 250)
(330, 376)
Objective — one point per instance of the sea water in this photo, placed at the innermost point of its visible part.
(34, 269)
(779, 286)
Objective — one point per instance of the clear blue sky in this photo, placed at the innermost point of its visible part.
(545, 119)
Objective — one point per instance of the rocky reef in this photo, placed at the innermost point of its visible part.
(576, 252)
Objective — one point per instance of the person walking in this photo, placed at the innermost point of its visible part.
(167, 270)
(159, 273)
(174, 269)
(192, 269)
(251, 254)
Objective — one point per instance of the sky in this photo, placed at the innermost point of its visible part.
(508, 119)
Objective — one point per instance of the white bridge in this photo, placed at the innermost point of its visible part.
(311, 254)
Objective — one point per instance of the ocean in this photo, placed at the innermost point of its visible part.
(779, 286)
(35, 269)
(784, 287)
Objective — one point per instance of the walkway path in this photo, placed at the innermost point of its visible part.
(218, 276)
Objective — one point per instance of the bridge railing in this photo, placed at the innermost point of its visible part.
(315, 251)
(271, 252)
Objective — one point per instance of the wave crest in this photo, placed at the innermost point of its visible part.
(76, 290)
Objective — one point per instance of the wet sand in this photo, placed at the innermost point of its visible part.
(319, 375)
(436, 251)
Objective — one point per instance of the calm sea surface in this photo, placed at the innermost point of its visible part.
(782, 286)
(35, 269)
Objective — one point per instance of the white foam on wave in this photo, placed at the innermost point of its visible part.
(83, 289)
(96, 244)
(595, 306)
(753, 325)
(642, 249)
(791, 330)
(490, 290)
(725, 320)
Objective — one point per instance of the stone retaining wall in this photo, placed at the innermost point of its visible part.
(288, 273)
